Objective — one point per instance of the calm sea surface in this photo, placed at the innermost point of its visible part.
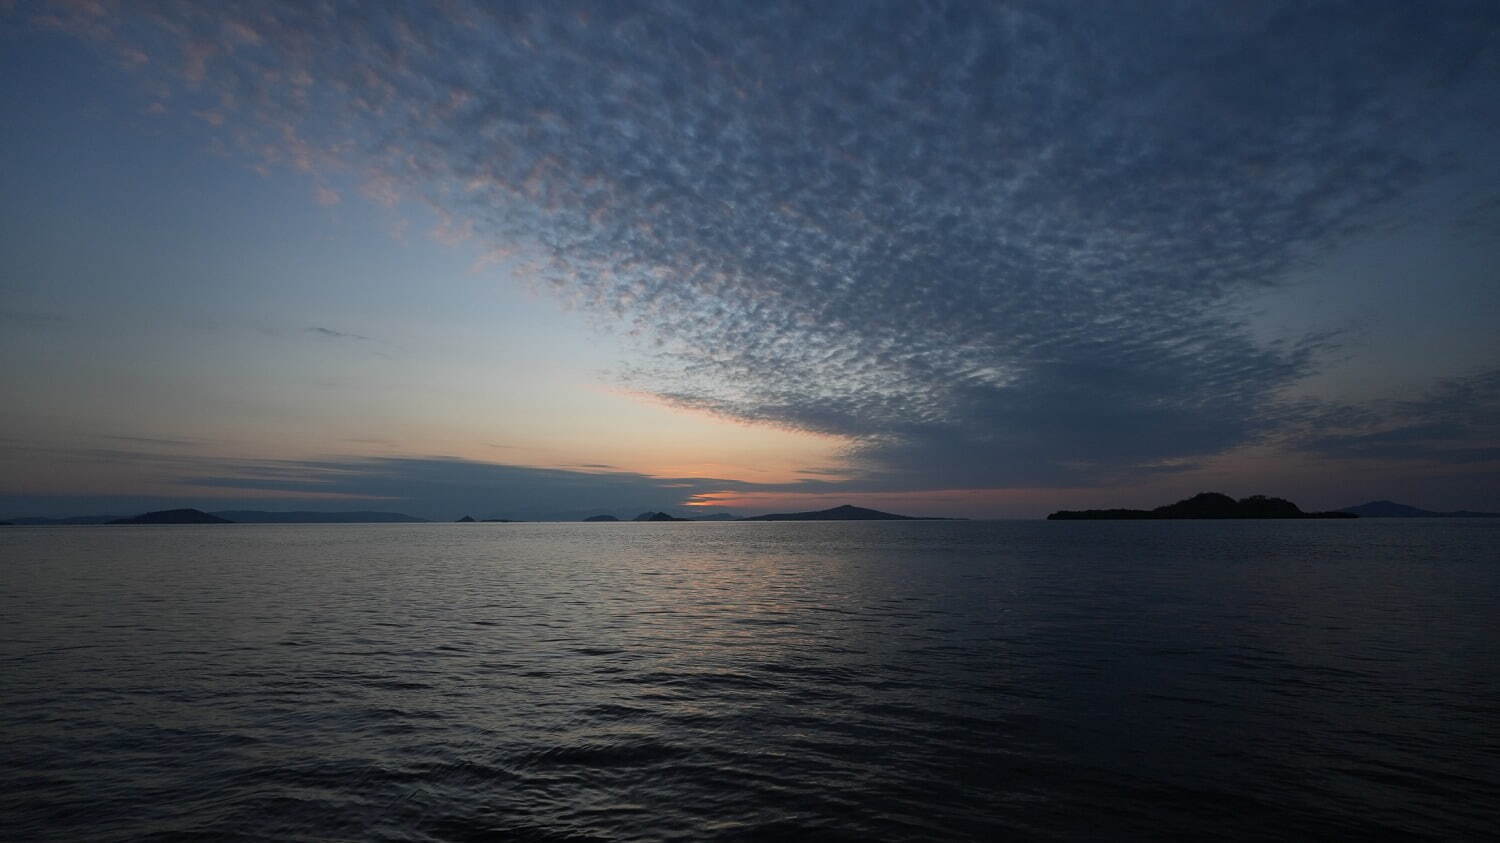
(840, 681)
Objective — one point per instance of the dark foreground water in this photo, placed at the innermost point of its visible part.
(1250, 680)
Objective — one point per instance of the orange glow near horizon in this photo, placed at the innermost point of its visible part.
(645, 435)
(1019, 503)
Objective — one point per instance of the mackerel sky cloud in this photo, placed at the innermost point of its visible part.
(982, 246)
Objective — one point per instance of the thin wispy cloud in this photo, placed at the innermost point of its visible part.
(990, 245)
(329, 333)
(429, 486)
(372, 345)
(30, 319)
(154, 441)
(448, 484)
(1456, 422)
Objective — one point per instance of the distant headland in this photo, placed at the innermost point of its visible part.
(1391, 509)
(174, 516)
(1203, 505)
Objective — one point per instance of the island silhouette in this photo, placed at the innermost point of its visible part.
(174, 516)
(842, 513)
(1391, 509)
(1202, 505)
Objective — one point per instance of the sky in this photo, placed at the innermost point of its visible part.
(532, 260)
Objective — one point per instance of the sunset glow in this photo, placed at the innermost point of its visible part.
(291, 253)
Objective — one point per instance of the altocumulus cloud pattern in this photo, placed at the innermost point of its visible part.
(992, 244)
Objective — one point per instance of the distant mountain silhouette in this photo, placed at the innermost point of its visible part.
(656, 516)
(1391, 509)
(601, 518)
(840, 513)
(258, 516)
(499, 520)
(1203, 505)
(72, 520)
(717, 516)
(467, 519)
(174, 516)
(6, 524)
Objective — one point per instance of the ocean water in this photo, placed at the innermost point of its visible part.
(836, 681)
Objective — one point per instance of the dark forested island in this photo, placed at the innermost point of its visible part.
(656, 516)
(1203, 505)
(174, 516)
(841, 513)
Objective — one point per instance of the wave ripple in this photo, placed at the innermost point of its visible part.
(894, 681)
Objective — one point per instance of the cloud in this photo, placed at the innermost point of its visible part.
(154, 441)
(445, 485)
(329, 333)
(435, 487)
(326, 196)
(456, 485)
(991, 245)
(1457, 422)
(32, 320)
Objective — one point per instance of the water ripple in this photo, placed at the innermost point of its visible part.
(750, 681)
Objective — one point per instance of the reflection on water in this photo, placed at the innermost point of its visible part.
(648, 681)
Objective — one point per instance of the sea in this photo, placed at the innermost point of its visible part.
(970, 680)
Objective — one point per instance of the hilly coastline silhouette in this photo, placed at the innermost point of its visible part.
(1391, 509)
(1202, 505)
(173, 516)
